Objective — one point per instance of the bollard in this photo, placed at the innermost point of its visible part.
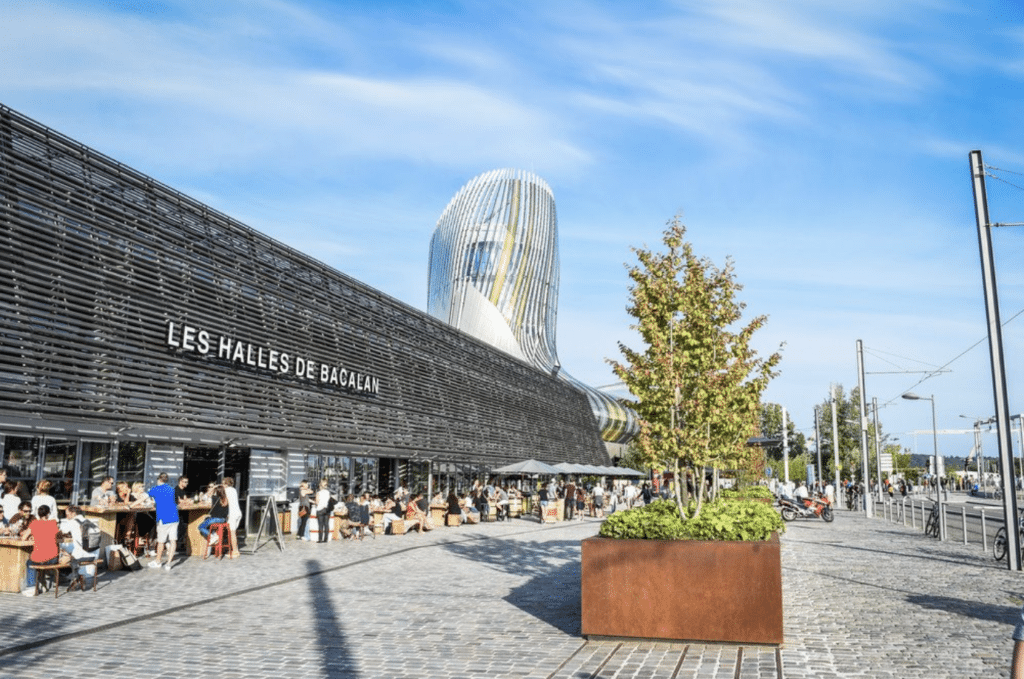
(903, 510)
(963, 521)
(913, 522)
(984, 534)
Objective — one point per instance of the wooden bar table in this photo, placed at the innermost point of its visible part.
(14, 554)
(194, 513)
(437, 513)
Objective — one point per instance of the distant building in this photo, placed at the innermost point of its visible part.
(494, 275)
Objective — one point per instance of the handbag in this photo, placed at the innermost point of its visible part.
(303, 512)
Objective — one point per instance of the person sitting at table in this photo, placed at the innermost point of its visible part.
(42, 498)
(501, 499)
(102, 494)
(482, 504)
(469, 510)
(72, 527)
(19, 522)
(142, 498)
(218, 514)
(10, 498)
(123, 494)
(414, 516)
(454, 508)
(43, 532)
(388, 506)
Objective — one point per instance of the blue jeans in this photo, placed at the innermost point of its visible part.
(204, 527)
(30, 576)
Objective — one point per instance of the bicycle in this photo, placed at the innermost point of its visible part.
(931, 528)
(999, 543)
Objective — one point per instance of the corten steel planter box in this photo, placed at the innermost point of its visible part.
(683, 590)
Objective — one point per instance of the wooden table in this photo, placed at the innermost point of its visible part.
(437, 513)
(195, 543)
(13, 563)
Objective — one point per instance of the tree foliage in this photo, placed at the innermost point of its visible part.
(697, 382)
(771, 427)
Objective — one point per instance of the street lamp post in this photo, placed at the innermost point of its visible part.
(938, 460)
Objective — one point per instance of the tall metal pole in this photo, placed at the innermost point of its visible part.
(878, 446)
(865, 474)
(817, 445)
(940, 468)
(835, 443)
(995, 344)
(785, 444)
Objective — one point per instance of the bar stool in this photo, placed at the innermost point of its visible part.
(223, 531)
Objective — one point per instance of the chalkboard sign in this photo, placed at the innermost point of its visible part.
(269, 529)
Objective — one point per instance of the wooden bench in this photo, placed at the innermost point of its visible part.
(79, 580)
(49, 572)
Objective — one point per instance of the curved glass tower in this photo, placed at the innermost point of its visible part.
(494, 275)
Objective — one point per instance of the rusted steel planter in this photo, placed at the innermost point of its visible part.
(683, 590)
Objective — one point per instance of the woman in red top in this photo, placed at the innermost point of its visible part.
(43, 532)
(414, 516)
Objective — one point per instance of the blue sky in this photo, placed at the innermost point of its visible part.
(823, 146)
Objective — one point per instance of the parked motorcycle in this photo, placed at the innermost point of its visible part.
(808, 508)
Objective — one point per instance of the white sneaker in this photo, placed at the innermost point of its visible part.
(154, 564)
(167, 566)
(31, 591)
(213, 539)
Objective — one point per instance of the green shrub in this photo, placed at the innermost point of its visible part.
(719, 520)
(746, 492)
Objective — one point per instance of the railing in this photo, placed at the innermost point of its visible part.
(974, 525)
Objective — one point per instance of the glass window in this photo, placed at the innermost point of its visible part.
(95, 464)
(131, 461)
(21, 459)
(59, 467)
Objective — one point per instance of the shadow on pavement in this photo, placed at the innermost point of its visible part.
(552, 593)
(967, 608)
(326, 623)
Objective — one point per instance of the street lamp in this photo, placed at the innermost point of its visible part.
(910, 396)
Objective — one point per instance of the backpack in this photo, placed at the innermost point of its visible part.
(331, 503)
(91, 535)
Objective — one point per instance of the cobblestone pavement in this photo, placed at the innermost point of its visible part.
(863, 599)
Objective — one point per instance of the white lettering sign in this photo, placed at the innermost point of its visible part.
(190, 339)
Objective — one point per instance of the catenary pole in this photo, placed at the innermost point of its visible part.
(995, 345)
(865, 473)
(835, 441)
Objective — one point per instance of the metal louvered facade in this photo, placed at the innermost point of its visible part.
(494, 274)
(130, 311)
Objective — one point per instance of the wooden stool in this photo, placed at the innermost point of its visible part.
(47, 571)
(223, 531)
(79, 579)
(398, 527)
(454, 520)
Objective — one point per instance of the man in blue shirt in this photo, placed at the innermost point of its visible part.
(166, 520)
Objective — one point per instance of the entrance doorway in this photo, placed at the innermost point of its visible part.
(206, 465)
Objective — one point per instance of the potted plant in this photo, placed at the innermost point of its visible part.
(698, 567)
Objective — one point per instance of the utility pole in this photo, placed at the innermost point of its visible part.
(835, 442)
(817, 446)
(865, 475)
(785, 445)
(995, 345)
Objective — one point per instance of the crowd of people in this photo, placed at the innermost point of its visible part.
(56, 540)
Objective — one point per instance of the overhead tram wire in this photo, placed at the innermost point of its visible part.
(942, 368)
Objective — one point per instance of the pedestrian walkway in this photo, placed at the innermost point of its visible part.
(862, 599)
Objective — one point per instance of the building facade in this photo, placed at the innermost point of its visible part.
(142, 331)
(494, 274)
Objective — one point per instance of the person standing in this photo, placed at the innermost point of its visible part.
(570, 500)
(166, 521)
(323, 518)
(234, 513)
(305, 507)
(598, 501)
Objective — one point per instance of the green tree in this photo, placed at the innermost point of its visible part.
(771, 427)
(697, 382)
